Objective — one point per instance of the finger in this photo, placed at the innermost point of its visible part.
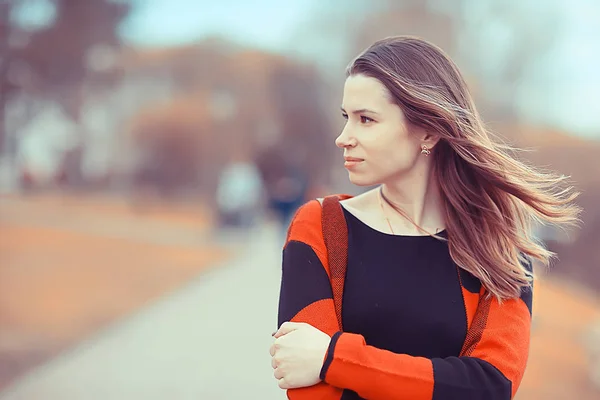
(283, 384)
(286, 328)
(272, 349)
(278, 373)
(274, 362)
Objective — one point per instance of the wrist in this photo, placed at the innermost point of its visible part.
(328, 358)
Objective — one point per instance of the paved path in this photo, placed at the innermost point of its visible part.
(209, 341)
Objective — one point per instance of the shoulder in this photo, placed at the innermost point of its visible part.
(306, 226)
(361, 201)
(308, 216)
(343, 198)
(308, 213)
(306, 232)
(362, 204)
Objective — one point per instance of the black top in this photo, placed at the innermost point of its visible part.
(393, 279)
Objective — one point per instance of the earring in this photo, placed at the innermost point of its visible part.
(425, 150)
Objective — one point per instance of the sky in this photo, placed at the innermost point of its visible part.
(566, 90)
(263, 23)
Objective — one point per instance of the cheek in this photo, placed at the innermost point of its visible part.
(395, 151)
(398, 159)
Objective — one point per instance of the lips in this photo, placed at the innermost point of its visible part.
(353, 159)
(350, 162)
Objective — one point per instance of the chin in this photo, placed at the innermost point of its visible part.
(362, 180)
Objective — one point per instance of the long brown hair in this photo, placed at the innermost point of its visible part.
(491, 198)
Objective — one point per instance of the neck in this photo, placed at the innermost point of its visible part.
(419, 197)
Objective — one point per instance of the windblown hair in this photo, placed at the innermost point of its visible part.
(492, 200)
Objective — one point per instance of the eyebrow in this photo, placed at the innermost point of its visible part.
(361, 111)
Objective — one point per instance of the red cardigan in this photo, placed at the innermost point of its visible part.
(498, 346)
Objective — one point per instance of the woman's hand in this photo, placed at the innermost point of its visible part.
(297, 354)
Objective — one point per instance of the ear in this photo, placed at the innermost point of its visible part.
(429, 139)
(432, 140)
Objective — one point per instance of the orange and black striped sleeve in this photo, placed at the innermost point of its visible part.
(491, 367)
(493, 364)
(306, 294)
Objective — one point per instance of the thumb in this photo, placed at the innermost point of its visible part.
(286, 328)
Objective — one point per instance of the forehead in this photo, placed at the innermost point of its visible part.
(362, 91)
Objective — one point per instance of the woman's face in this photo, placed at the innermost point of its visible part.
(378, 146)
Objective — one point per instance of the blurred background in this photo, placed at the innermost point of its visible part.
(152, 153)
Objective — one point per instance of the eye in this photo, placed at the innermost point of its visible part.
(344, 115)
(365, 120)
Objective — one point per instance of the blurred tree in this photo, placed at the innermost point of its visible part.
(305, 142)
(6, 86)
(173, 143)
(408, 17)
(505, 46)
(52, 61)
(230, 100)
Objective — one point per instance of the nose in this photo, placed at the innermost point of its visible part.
(345, 139)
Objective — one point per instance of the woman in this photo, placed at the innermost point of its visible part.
(446, 234)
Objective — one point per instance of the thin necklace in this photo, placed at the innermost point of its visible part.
(382, 196)
(383, 212)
